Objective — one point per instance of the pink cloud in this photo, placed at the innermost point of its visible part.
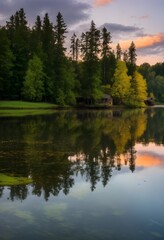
(102, 2)
(145, 41)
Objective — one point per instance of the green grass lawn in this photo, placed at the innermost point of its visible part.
(25, 105)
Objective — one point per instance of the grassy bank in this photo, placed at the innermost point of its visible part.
(21, 108)
(25, 105)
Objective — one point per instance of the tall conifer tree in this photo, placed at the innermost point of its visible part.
(36, 38)
(132, 59)
(48, 61)
(64, 82)
(90, 48)
(18, 33)
(6, 62)
(105, 54)
(118, 52)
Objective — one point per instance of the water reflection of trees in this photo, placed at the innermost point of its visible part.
(155, 127)
(54, 149)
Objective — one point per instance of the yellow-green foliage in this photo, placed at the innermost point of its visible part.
(121, 86)
(138, 90)
(6, 180)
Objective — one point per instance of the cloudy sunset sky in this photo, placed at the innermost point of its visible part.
(141, 21)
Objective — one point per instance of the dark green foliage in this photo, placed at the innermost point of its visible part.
(6, 59)
(48, 45)
(132, 59)
(106, 56)
(118, 52)
(73, 47)
(125, 56)
(154, 76)
(36, 44)
(92, 63)
(65, 80)
(18, 33)
(90, 48)
(106, 40)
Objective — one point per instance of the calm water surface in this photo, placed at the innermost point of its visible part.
(96, 175)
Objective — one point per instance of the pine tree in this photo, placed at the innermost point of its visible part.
(132, 59)
(64, 82)
(125, 57)
(73, 47)
(105, 55)
(18, 33)
(48, 45)
(84, 46)
(77, 46)
(36, 44)
(118, 52)
(106, 40)
(60, 34)
(6, 61)
(90, 48)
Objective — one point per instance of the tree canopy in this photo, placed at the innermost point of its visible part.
(63, 74)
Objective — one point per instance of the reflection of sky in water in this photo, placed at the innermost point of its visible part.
(146, 156)
(150, 155)
(123, 210)
(129, 207)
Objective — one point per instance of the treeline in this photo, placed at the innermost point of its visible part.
(36, 66)
(154, 76)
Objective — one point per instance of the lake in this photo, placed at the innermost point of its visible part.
(94, 175)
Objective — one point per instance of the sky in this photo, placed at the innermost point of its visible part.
(141, 21)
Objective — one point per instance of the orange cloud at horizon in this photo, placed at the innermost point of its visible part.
(102, 2)
(142, 42)
(151, 59)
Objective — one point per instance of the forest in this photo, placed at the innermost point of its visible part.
(36, 66)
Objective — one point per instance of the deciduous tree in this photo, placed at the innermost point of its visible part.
(121, 85)
(138, 90)
(33, 88)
